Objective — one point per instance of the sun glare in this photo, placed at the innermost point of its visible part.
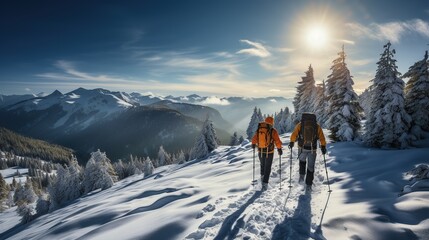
(317, 36)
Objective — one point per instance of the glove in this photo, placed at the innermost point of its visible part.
(323, 148)
(291, 145)
(280, 151)
(253, 146)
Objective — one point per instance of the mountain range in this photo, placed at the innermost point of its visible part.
(126, 123)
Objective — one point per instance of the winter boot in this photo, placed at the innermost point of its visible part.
(308, 188)
(262, 178)
(264, 186)
(301, 178)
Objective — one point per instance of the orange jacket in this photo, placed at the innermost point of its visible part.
(274, 136)
(295, 133)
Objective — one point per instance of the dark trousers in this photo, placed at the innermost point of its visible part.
(266, 161)
(304, 157)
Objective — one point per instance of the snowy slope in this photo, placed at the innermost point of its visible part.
(213, 199)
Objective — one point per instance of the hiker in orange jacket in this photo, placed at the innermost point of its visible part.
(266, 148)
(307, 148)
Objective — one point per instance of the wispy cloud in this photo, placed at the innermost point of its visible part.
(69, 72)
(347, 41)
(257, 49)
(189, 62)
(392, 31)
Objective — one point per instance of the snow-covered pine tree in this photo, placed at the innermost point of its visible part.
(286, 122)
(4, 189)
(365, 101)
(209, 133)
(74, 181)
(119, 169)
(206, 142)
(181, 158)
(24, 194)
(388, 122)
(241, 139)
(43, 204)
(99, 172)
(417, 96)
(320, 104)
(261, 117)
(200, 148)
(148, 167)
(305, 93)
(344, 109)
(67, 184)
(234, 140)
(163, 157)
(277, 118)
(253, 124)
(26, 211)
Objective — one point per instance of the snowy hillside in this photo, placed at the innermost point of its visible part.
(213, 199)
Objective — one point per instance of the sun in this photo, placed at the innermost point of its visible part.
(317, 36)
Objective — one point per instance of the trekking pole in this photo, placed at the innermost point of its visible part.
(280, 167)
(253, 181)
(327, 177)
(290, 171)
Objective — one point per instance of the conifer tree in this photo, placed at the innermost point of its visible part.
(163, 157)
(200, 148)
(148, 167)
(57, 189)
(388, 122)
(210, 136)
(24, 194)
(119, 169)
(277, 119)
(4, 189)
(344, 109)
(305, 93)
(365, 102)
(234, 140)
(241, 139)
(254, 121)
(99, 172)
(181, 158)
(320, 104)
(417, 96)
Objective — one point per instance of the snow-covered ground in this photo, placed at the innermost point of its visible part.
(19, 173)
(213, 199)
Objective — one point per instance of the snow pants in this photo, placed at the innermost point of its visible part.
(307, 157)
(266, 161)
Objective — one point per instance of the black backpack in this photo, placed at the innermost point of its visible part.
(307, 137)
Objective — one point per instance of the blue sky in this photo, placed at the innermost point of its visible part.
(224, 48)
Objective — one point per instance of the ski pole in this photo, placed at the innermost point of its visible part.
(280, 167)
(290, 171)
(327, 177)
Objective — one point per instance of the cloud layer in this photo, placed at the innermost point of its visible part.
(391, 31)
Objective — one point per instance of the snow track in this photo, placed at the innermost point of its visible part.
(289, 213)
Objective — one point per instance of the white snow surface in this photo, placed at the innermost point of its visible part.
(213, 199)
(9, 173)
